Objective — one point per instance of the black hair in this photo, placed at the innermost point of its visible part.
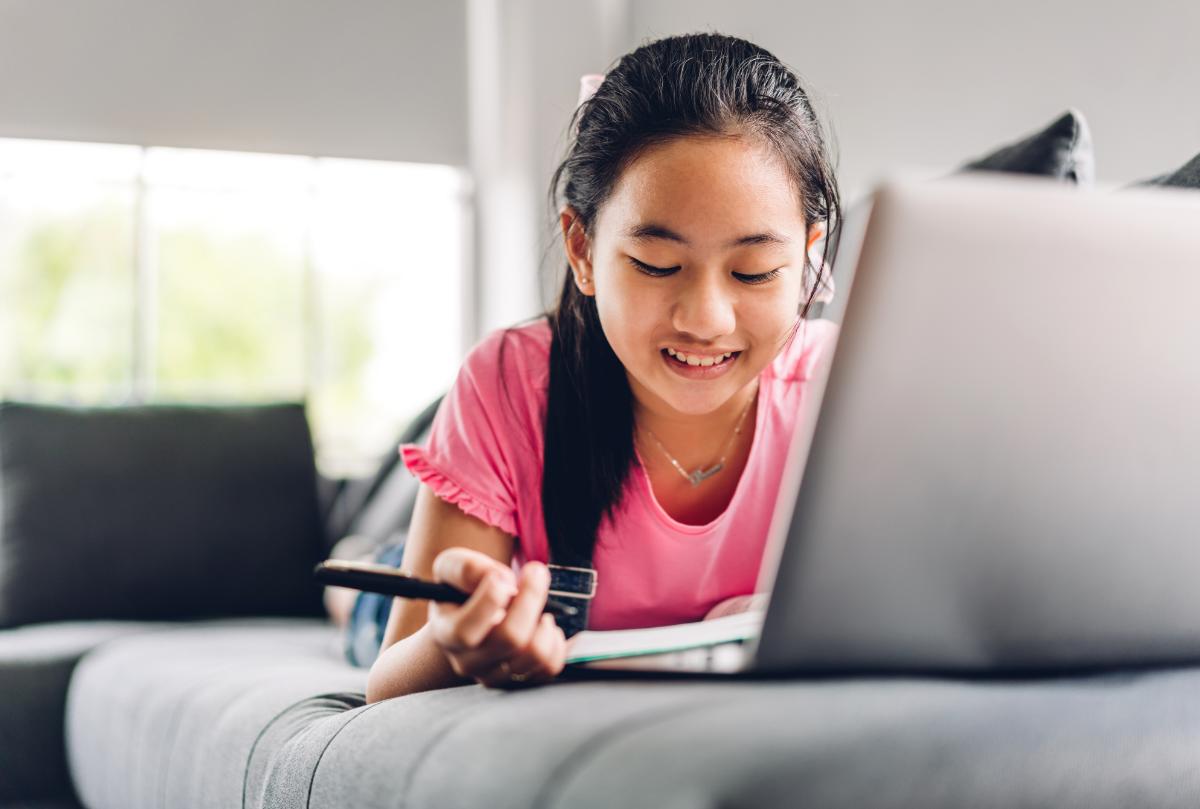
(696, 84)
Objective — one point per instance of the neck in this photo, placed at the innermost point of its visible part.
(692, 438)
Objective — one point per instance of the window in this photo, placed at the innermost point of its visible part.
(131, 274)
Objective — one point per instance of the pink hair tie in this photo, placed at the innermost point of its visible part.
(588, 84)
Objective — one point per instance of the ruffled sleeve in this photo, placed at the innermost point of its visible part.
(475, 442)
(416, 458)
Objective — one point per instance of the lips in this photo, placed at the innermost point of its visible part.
(696, 358)
(687, 370)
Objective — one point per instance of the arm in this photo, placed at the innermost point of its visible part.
(409, 660)
(732, 606)
(430, 645)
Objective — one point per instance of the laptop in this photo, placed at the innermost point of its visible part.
(1004, 473)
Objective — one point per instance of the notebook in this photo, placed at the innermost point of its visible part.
(588, 646)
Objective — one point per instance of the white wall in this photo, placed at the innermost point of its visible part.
(491, 84)
(368, 79)
(932, 83)
(526, 59)
(924, 83)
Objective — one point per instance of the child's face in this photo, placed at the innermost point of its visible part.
(710, 193)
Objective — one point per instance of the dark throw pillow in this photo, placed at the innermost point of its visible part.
(1186, 176)
(158, 512)
(1062, 150)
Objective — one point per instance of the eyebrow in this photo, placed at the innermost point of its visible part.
(651, 230)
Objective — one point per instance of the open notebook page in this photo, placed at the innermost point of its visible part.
(590, 645)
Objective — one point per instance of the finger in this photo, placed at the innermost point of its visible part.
(505, 676)
(546, 652)
(465, 568)
(498, 675)
(458, 628)
(516, 630)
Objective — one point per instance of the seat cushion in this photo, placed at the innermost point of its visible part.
(172, 717)
(1106, 741)
(35, 668)
(264, 714)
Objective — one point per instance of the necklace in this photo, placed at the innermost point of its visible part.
(700, 474)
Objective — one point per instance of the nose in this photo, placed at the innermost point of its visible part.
(704, 309)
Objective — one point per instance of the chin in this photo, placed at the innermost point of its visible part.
(695, 402)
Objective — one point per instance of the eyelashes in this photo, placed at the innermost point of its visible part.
(761, 278)
(656, 272)
(661, 272)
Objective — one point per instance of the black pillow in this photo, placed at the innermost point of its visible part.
(158, 512)
(1186, 176)
(1062, 150)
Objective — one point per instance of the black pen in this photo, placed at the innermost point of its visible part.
(376, 578)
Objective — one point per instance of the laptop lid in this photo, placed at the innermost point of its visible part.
(1005, 468)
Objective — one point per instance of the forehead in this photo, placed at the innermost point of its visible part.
(707, 189)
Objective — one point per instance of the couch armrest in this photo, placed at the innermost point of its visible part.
(36, 662)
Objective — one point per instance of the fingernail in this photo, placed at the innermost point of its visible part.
(507, 586)
(544, 575)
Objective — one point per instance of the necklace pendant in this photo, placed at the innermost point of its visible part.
(700, 475)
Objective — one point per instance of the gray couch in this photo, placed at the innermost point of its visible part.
(265, 713)
(229, 710)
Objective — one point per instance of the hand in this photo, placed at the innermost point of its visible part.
(500, 637)
(732, 606)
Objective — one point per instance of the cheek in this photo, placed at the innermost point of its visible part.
(628, 312)
(771, 312)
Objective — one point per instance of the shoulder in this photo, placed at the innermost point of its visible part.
(517, 355)
(810, 346)
(503, 382)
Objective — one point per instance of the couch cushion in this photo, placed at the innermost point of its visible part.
(172, 717)
(1103, 743)
(154, 513)
(1107, 741)
(35, 667)
(262, 714)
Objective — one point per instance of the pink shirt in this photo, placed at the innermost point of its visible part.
(485, 455)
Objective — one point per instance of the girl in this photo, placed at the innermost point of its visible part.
(633, 437)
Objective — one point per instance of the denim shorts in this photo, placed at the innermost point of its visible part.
(368, 619)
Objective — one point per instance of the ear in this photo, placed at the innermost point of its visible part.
(579, 250)
(816, 233)
(817, 274)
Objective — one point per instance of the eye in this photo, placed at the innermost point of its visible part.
(762, 278)
(657, 272)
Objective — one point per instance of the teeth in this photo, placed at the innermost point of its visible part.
(692, 359)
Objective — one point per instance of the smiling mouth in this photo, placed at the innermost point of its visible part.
(699, 360)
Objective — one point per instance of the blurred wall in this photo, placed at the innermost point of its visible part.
(925, 83)
(932, 82)
(526, 59)
(369, 79)
(491, 84)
